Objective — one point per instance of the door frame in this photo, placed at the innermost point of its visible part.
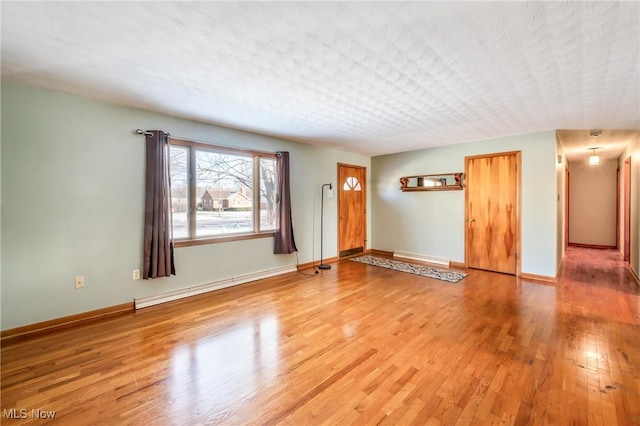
(626, 252)
(567, 175)
(364, 210)
(518, 206)
(618, 209)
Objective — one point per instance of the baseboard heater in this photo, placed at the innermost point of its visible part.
(422, 258)
(143, 302)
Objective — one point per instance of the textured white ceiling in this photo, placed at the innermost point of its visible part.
(374, 78)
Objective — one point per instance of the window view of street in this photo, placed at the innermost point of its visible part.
(215, 223)
(224, 197)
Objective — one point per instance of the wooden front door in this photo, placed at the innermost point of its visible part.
(351, 209)
(493, 212)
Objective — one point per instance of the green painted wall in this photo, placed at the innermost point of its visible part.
(432, 223)
(72, 204)
(72, 177)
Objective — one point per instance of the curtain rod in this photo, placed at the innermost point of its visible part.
(221, 146)
(147, 133)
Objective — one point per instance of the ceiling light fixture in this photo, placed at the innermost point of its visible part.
(594, 160)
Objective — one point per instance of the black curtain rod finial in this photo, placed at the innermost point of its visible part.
(148, 133)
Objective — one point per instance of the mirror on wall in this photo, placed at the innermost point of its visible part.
(440, 182)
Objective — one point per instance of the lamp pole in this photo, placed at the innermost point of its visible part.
(322, 265)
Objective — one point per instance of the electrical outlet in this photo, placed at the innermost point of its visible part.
(136, 274)
(79, 281)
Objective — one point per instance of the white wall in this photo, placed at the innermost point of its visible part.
(72, 204)
(432, 223)
(592, 203)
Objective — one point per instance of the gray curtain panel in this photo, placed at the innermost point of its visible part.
(284, 240)
(158, 235)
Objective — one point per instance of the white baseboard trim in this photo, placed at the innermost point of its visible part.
(144, 302)
(422, 257)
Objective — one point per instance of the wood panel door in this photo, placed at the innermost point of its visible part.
(493, 212)
(351, 209)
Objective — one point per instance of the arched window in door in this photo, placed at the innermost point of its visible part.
(351, 184)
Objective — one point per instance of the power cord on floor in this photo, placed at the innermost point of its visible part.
(316, 272)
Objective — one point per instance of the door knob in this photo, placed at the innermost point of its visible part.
(472, 220)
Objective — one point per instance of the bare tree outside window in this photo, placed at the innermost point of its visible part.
(268, 194)
(228, 181)
(179, 181)
(223, 182)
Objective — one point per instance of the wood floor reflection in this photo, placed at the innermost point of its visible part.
(356, 344)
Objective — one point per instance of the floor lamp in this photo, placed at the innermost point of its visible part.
(330, 195)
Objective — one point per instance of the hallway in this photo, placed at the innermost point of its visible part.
(594, 281)
(598, 310)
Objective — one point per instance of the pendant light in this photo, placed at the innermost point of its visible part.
(594, 160)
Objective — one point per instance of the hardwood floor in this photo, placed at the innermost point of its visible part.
(356, 344)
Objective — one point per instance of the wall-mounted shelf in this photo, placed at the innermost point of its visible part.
(440, 182)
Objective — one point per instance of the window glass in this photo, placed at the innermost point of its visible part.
(352, 184)
(222, 182)
(224, 193)
(179, 175)
(267, 194)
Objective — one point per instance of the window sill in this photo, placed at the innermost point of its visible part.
(225, 239)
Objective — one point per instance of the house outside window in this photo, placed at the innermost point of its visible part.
(225, 194)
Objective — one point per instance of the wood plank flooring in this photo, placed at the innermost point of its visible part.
(356, 344)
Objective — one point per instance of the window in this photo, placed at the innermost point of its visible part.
(220, 194)
(352, 184)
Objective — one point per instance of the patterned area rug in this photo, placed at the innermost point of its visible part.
(425, 271)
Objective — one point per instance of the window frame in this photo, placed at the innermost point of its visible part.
(194, 146)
